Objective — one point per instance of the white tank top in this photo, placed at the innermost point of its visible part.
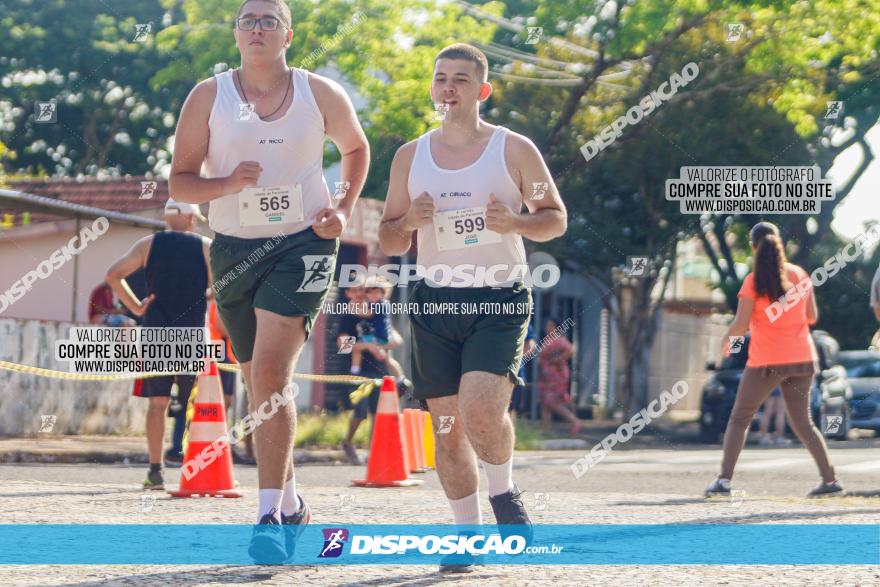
(290, 150)
(469, 187)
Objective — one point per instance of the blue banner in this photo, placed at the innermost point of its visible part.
(624, 544)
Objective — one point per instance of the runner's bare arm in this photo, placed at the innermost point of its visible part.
(206, 250)
(546, 218)
(190, 148)
(134, 259)
(395, 231)
(343, 128)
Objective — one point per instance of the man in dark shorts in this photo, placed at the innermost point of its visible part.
(250, 141)
(177, 273)
(462, 188)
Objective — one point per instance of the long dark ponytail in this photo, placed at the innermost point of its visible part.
(770, 276)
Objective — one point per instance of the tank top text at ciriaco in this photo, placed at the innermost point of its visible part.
(290, 150)
(460, 189)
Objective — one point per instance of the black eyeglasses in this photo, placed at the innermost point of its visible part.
(267, 23)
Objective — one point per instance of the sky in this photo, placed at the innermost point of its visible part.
(863, 202)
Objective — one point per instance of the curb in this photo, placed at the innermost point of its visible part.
(128, 458)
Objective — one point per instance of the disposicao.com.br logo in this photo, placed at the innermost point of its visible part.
(402, 544)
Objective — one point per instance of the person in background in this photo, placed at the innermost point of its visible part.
(554, 380)
(781, 353)
(354, 326)
(104, 310)
(774, 410)
(178, 276)
(520, 400)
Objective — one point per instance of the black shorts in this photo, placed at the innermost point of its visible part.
(290, 277)
(446, 345)
(227, 381)
(161, 386)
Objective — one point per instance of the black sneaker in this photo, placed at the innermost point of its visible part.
(268, 542)
(718, 488)
(294, 525)
(155, 481)
(173, 457)
(510, 513)
(459, 563)
(826, 489)
(405, 387)
(351, 454)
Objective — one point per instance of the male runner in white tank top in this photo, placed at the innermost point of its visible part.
(259, 130)
(462, 188)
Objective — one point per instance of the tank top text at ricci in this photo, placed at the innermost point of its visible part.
(459, 189)
(289, 149)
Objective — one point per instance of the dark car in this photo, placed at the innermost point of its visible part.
(830, 395)
(863, 374)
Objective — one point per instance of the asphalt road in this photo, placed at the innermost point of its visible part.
(657, 486)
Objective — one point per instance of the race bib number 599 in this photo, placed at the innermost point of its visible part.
(459, 229)
(263, 206)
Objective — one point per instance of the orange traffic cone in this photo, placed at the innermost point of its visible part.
(387, 464)
(207, 468)
(415, 451)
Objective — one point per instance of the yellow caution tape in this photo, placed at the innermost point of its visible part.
(362, 392)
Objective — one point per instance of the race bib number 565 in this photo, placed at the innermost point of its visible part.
(459, 229)
(263, 206)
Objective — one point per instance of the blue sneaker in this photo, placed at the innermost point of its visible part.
(294, 525)
(268, 542)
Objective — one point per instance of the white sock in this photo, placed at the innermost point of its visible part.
(355, 369)
(500, 476)
(290, 502)
(466, 511)
(270, 503)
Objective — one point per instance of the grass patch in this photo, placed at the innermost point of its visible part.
(325, 430)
